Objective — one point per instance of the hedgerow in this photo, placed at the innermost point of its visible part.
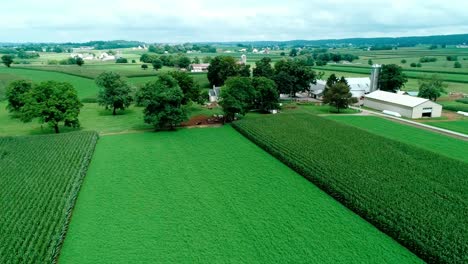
(418, 197)
(40, 178)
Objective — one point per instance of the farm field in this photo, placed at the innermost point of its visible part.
(85, 87)
(458, 126)
(417, 196)
(38, 192)
(183, 197)
(444, 145)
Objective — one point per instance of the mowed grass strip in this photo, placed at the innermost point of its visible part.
(418, 197)
(211, 196)
(435, 142)
(40, 178)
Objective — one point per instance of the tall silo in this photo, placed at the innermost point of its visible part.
(374, 86)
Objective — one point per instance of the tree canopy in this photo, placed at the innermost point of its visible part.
(162, 99)
(115, 92)
(190, 88)
(223, 67)
(51, 102)
(266, 94)
(391, 78)
(15, 92)
(292, 77)
(339, 96)
(237, 97)
(7, 60)
(157, 64)
(263, 68)
(431, 88)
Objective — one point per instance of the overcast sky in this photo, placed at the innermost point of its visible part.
(235, 20)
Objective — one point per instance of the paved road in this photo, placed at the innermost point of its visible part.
(417, 124)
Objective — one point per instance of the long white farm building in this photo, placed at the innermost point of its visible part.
(405, 105)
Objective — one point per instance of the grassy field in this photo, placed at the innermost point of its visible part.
(431, 141)
(193, 196)
(417, 196)
(38, 192)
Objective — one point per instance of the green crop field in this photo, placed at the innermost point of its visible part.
(40, 178)
(417, 196)
(458, 126)
(211, 196)
(445, 145)
(85, 87)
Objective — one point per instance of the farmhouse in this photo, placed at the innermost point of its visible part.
(405, 105)
(358, 87)
(201, 67)
(214, 94)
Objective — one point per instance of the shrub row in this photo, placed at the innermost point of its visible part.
(418, 197)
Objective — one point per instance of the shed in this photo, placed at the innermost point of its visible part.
(405, 105)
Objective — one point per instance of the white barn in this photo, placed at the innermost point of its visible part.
(358, 87)
(405, 105)
(199, 67)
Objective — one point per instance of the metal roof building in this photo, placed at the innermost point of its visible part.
(405, 105)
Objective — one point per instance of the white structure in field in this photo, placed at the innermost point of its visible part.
(106, 57)
(405, 105)
(243, 59)
(200, 67)
(214, 94)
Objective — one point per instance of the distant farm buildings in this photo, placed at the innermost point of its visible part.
(106, 57)
(358, 87)
(405, 105)
(200, 67)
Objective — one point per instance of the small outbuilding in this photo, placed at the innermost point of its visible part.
(405, 105)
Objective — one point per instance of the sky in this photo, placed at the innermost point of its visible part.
(177, 21)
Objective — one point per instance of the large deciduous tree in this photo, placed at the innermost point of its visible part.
(391, 78)
(162, 99)
(267, 96)
(190, 88)
(263, 68)
(7, 60)
(431, 88)
(157, 64)
(183, 62)
(52, 102)
(237, 97)
(221, 68)
(339, 96)
(292, 77)
(115, 92)
(15, 92)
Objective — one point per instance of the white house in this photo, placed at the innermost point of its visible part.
(405, 105)
(201, 67)
(214, 94)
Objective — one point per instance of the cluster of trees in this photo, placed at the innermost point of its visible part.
(222, 67)
(391, 78)
(431, 87)
(414, 65)
(166, 60)
(452, 58)
(320, 57)
(50, 102)
(163, 99)
(27, 55)
(162, 49)
(427, 59)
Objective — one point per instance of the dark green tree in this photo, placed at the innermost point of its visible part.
(263, 68)
(52, 102)
(370, 62)
(293, 52)
(267, 96)
(339, 96)
(162, 99)
(391, 78)
(292, 77)
(221, 68)
(157, 64)
(79, 61)
(115, 92)
(431, 87)
(190, 88)
(15, 94)
(7, 60)
(183, 62)
(457, 64)
(196, 60)
(144, 66)
(237, 97)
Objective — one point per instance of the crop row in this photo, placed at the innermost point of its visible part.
(418, 197)
(40, 179)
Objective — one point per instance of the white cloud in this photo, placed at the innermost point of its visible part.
(209, 20)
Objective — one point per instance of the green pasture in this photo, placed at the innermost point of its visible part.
(457, 126)
(193, 196)
(431, 141)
